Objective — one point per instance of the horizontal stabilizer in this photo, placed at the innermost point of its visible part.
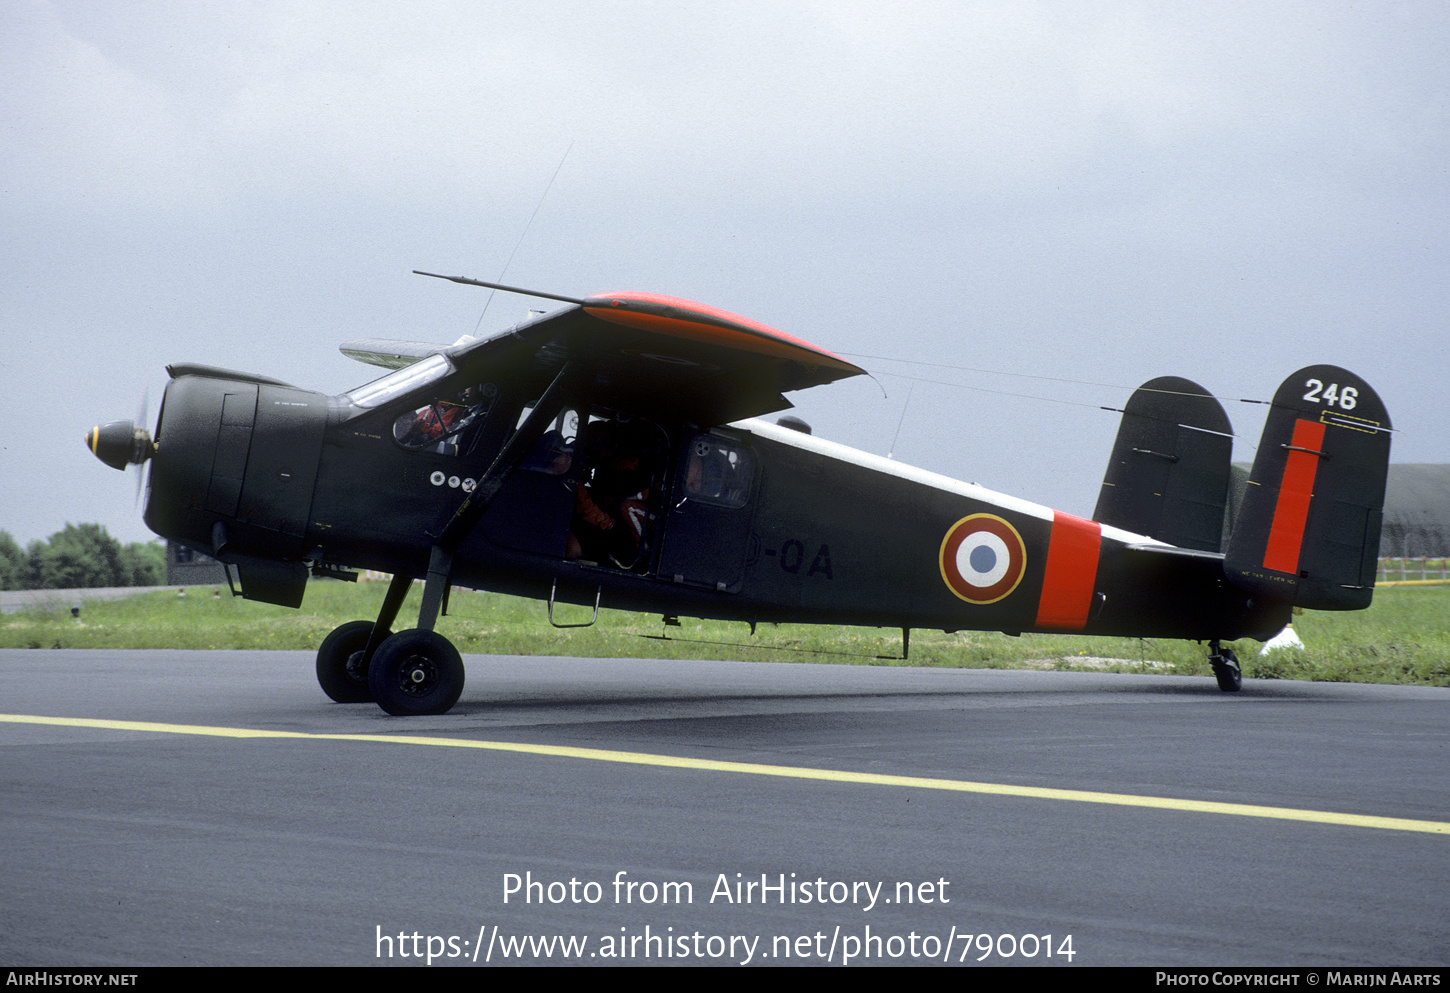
(1309, 528)
(1168, 475)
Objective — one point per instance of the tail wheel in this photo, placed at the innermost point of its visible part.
(340, 669)
(1226, 670)
(416, 672)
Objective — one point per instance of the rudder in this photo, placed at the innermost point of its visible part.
(1309, 528)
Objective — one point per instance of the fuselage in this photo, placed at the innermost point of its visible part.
(750, 521)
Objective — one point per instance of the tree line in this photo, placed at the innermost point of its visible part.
(83, 556)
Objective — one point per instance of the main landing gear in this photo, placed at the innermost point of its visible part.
(419, 671)
(416, 672)
(341, 670)
(1225, 667)
(412, 672)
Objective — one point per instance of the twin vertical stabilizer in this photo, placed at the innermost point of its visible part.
(1169, 472)
(1308, 529)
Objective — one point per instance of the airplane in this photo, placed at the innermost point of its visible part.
(613, 452)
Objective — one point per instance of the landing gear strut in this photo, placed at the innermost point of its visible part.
(419, 671)
(411, 672)
(1225, 667)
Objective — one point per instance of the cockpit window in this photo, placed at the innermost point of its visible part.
(404, 380)
(449, 425)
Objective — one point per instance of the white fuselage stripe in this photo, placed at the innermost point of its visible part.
(833, 450)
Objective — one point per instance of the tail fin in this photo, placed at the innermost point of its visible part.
(1309, 528)
(1168, 475)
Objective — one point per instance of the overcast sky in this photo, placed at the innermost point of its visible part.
(1099, 192)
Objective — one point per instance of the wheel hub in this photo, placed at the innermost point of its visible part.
(419, 675)
(356, 671)
(416, 672)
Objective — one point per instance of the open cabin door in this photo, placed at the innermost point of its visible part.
(617, 470)
(592, 491)
(533, 510)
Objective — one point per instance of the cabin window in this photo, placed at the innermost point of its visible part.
(447, 426)
(404, 380)
(718, 472)
(553, 453)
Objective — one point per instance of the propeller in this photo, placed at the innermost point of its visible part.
(123, 443)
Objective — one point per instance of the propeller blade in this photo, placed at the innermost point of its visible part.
(141, 422)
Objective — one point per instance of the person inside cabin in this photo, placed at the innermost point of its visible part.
(439, 426)
(611, 503)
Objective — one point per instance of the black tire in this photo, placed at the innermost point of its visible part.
(339, 663)
(1230, 677)
(416, 672)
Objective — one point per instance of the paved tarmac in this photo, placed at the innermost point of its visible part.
(200, 808)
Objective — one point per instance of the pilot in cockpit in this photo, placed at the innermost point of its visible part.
(440, 426)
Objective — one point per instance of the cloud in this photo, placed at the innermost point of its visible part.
(1236, 187)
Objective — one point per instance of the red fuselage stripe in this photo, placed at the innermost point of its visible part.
(1072, 569)
(1286, 534)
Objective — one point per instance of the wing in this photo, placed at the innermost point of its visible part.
(653, 355)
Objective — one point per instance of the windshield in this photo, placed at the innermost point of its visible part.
(404, 380)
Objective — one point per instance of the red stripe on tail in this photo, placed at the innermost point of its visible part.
(1072, 568)
(1286, 534)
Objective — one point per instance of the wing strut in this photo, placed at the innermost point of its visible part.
(440, 557)
(473, 507)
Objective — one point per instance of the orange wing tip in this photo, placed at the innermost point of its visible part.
(658, 313)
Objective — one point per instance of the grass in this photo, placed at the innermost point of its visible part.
(1402, 638)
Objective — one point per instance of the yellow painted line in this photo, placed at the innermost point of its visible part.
(785, 771)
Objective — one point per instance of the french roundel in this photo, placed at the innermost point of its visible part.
(982, 558)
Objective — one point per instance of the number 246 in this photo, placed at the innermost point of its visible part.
(1345, 397)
